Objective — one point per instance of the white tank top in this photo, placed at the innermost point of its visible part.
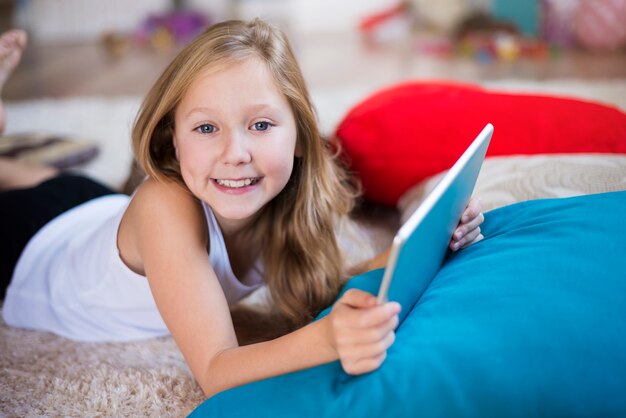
(70, 279)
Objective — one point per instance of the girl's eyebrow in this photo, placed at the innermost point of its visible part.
(251, 108)
(204, 110)
(261, 107)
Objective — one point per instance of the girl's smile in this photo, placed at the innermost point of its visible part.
(238, 186)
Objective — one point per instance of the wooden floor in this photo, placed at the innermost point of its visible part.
(328, 60)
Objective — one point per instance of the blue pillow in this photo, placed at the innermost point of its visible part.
(531, 321)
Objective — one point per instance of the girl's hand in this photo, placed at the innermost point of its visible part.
(361, 331)
(468, 230)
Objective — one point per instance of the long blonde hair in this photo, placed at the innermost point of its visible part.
(304, 267)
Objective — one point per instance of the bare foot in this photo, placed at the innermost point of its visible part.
(12, 44)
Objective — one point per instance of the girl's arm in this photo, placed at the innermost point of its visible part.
(171, 238)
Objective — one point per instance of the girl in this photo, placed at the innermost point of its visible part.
(241, 191)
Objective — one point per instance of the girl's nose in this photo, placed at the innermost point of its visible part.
(236, 149)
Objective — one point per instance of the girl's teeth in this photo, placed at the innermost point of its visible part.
(235, 183)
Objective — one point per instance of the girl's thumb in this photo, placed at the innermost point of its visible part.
(358, 298)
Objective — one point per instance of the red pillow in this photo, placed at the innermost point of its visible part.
(405, 133)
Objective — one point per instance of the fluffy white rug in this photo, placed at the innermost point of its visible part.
(46, 375)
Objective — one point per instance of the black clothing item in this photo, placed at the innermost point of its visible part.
(23, 212)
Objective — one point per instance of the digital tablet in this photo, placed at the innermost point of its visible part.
(421, 244)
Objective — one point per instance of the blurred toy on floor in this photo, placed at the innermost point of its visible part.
(161, 32)
(500, 30)
(485, 38)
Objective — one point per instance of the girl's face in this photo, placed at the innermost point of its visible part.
(235, 138)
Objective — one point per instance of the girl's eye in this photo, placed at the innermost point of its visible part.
(206, 129)
(261, 126)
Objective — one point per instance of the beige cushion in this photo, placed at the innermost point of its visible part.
(506, 180)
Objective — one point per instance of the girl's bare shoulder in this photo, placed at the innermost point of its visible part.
(166, 202)
(153, 189)
(160, 217)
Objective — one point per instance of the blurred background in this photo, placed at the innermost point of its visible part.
(119, 47)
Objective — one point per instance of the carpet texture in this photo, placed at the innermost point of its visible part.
(46, 375)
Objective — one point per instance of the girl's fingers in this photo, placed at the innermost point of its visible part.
(472, 210)
(360, 318)
(469, 238)
(363, 365)
(356, 336)
(357, 298)
(366, 351)
(368, 357)
(465, 228)
(480, 237)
